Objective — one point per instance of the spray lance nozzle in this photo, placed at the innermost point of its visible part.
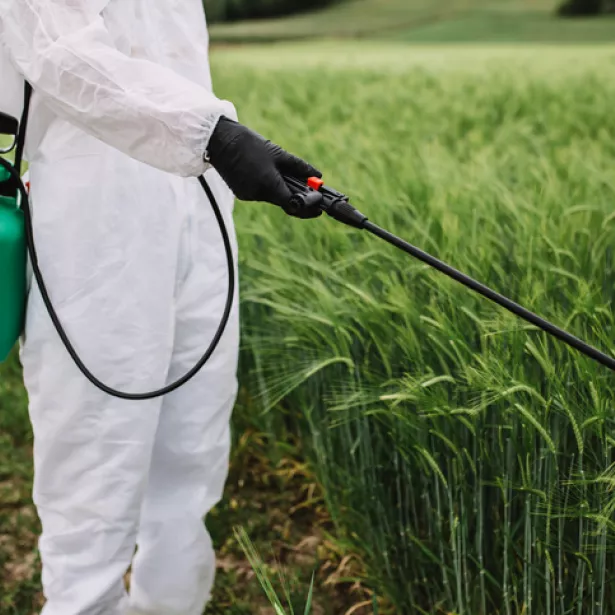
(315, 194)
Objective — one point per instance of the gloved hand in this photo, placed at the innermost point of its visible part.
(253, 167)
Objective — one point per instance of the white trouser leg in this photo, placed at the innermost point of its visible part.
(91, 458)
(173, 571)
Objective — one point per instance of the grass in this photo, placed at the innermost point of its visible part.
(395, 61)
(425, 21)
(465, 456)
(504, 26)
(344, 19)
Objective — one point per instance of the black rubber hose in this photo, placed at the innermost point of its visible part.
(25, 205)
(485, 291)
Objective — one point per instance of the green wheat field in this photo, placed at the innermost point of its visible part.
(463, 458)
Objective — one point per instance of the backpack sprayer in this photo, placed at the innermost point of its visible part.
(12, 250)
(17, 240)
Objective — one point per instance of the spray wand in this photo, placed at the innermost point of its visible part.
(316, 194)
(311, 195)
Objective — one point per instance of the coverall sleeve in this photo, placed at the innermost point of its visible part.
(145, 110)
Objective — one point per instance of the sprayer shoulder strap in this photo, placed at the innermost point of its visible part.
(23, 126)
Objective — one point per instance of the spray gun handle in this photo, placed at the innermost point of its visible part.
(333, 203)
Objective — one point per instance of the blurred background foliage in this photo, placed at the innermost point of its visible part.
(413, 21)
(586, 7)
(234, 10)
(237, 10)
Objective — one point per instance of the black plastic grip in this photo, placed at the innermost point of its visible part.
(343, 211)
(304, 200)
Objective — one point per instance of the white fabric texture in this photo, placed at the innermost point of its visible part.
(130, 72)
(11, 86)
(135, 266)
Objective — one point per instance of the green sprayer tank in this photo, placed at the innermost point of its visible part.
(12, 269)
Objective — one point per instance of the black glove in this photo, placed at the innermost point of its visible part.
(253, 167)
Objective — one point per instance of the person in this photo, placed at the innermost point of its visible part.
(123, 119)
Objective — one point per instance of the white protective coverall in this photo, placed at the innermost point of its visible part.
(132, 255)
